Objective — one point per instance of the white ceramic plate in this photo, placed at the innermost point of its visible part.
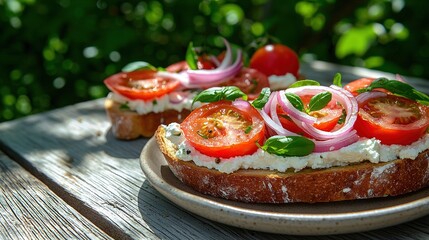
(290, 218)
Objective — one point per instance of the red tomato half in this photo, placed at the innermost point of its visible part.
(225, 129)
(327, 117)
(275, 59)
(392, 120)
(141, 84)
(250, 81)
(359, 84)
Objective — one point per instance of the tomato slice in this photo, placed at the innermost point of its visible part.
(360, 83)
(275, 59)
(141, 84)
(392, 120)
(177, 67)
(327, 117)
(203, 63)
(225, 129)
(250, 81)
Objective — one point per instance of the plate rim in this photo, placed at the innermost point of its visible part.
(369, 219)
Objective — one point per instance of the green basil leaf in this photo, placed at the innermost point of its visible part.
(133, 66)
(337, 80)
(215, 94)
(295, 100)
(262, 99)
(191, 57)
(302, 83)
(288, 146)
(398, 88)
(319, 101)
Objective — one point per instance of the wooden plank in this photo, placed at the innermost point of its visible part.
(73, 152)
(29, 210)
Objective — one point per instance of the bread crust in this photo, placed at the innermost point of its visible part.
(128, 125)
(358, 181)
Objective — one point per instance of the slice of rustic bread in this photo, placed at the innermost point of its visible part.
(128, 125)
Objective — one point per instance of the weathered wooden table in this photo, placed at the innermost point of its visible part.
(64, 176)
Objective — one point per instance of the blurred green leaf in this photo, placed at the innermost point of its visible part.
(355, 41)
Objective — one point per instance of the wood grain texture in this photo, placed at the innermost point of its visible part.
(73, 151)
(29, 210)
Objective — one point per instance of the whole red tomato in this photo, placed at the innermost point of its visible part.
(275, 59)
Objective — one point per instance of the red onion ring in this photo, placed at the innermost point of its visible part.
(228, 56)
(278, 129)
(292, 111)
(214, 60)
(182, 77)
(208, 78)
(369, 95)
(324, 141)
(336, 143)
(338, 94)
(268, 104)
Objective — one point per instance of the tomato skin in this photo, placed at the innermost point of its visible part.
(374, 120)
(140, 84)
(275, 59)
(230, 138)
(360, 83)
(250, 81)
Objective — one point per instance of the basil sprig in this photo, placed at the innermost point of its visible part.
(398, 88)
(262, 99)
(287, 146)
(296, 101)
(317, 102)
(215, 94)
(337, 80)
(302, 83)
(134, 66)
(191, 57)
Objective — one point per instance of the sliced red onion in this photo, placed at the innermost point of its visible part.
(324, 141)
(208, 78)
(292, 111)
(336, 143)
(182, 77)
(214, 60)
(228, 56)
(268, 104)
(338, 94)
(369, 95)
(277, 128)
(241, 104)
(177, 97)
(273, 108)
(225, 71)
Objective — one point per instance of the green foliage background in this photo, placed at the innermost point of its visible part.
(56, 53)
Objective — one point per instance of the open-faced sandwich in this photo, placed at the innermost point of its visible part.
(142, 97)
(308, 143)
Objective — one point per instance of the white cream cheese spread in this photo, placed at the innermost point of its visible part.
(363, 150)
(157, 105)
(281, 82)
